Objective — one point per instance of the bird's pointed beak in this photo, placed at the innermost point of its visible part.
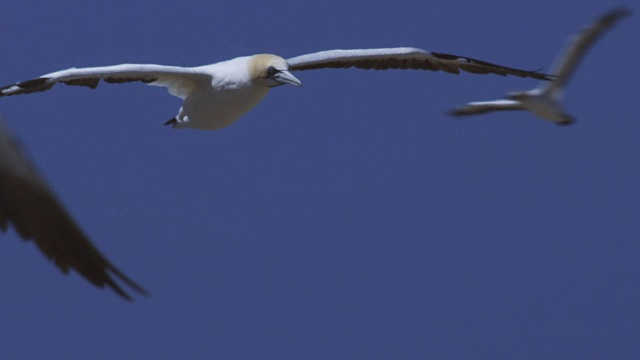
(285, 77)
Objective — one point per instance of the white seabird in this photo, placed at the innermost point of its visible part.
(27, 203)
(545, 100)
(214, 96)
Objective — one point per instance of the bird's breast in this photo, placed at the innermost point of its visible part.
(218, 108)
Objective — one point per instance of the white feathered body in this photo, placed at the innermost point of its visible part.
(213, 105)
(543, 105)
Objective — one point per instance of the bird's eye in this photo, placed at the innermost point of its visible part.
(271, 71)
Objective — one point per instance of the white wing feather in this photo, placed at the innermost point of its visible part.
(483, 107)
(403, 58)
(178, 80)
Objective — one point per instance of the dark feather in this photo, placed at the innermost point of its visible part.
(36, 214)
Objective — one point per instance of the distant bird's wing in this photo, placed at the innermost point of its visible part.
(27, 203)
(577, 46)
(179, 81)
(483, 107)
(403, 58)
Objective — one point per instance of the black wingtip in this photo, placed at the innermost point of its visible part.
(27, 87)
(541, 76)
(32, 83)
(566, 120)
(171, 122)
(617, 14)
(547, 77)
(455, 113)
(538, 75)
(132, 284)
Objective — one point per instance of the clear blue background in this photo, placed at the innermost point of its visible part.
(347, 219)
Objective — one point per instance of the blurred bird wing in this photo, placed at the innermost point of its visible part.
(577, 46)
(483, 107)
(27, 203)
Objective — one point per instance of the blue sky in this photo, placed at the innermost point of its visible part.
(346, 219)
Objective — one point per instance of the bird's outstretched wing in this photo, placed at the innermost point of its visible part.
(404, 58)
(483, 107)
(179, 81)
(577, 46)
(27, 203)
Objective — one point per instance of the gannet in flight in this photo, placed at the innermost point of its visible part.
(27, 203)
(214, 96)
(545, 100)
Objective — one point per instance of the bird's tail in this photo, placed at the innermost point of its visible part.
(172, 122)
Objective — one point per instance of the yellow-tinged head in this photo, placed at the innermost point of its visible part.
(271, 70)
